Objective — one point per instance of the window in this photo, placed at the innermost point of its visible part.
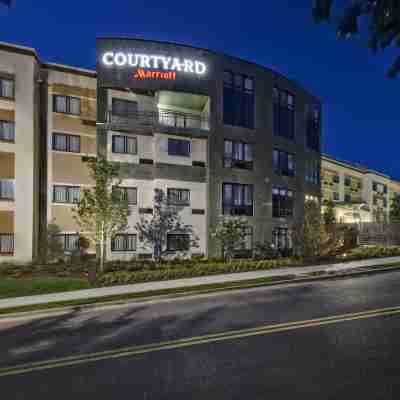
(336, 196)
(347, 198)
(238, 100)
(69, 241)
(66, 194)
(178, 242)
(347, 181)
(374, 186)
(282, 203)
(238, 155)
(6, 243)
(313, 173)
(67, 104)
(124, 242)
(283, 163)
(179, 197)
(309, 197)
(284, 113)
(68, 143)
(281, 238)
(7, 189)
(237, 199)
(7, 130)
(336, 179)
(313, 128)
(124, 144)
(178, 147)
(124, 108)
(128, 194)
(7, 88)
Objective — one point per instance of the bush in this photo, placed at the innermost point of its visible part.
(361, 253)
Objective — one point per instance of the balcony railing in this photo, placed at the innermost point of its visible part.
(7, 189)
(229, 209)
(230, 162)
(6, 243)
(160, 118)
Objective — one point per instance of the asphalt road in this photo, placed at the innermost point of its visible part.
(347, 358)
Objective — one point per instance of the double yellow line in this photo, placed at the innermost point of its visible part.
(193, 341)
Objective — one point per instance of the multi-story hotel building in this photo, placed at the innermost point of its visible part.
(221, 135)
(360, 195)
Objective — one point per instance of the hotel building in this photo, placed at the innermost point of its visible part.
(221, 136)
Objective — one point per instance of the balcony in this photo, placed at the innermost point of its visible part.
(230, 162)
(6, 243)
(7, 189)
(244, 210)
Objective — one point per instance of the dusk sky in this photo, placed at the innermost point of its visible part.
(361, 106)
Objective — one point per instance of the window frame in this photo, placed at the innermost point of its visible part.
(242, 209)
(282, 169)
(68, 190)
(240, 163)
(67, 104)
(125, 237)
(278, 107)
(125, 189)
(282, 209)
(171, 202)
(12, 97)
(5, 198)
(126, 139)
(2, 130)
(174, 250)
(63, 237)
(177, 153)
(11, 238)
(67, 142)
(313, 128)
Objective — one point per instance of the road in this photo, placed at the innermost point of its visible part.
(221, 346)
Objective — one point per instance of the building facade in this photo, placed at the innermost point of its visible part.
(360, 195)
(221, 136)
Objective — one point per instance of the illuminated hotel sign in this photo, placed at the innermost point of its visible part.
(154, 66)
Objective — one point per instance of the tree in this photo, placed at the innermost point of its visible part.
(395, 210)
(311, 238)
(329, 215)
(165, 219)
(50, 246)
(231, 234)
(101, 211)
(383, 18)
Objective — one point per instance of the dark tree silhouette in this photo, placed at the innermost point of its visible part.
(382, 16)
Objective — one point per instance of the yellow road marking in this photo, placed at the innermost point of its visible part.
(196, 340)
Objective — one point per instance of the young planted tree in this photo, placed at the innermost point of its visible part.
(102, 211)
(329, 215)
(231, 234)
(165, 219)
(50, 247)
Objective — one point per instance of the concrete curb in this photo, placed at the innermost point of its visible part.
(194, 292)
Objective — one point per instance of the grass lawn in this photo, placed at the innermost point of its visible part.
(26, 287)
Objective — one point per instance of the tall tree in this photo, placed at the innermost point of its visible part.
(101, 211)
(329, 215)
(383, 17)
(395, 210)
(165, 219)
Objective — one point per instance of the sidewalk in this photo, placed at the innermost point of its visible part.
(190, 282)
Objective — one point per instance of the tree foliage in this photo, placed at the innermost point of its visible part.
(231, 234)
(329, 215)
(395, 210)
(383, 17)
(50, 246)
(165, 219)
(101, 211)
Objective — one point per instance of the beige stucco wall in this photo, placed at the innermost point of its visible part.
(6, 221)
(7, 165)
(69, 169)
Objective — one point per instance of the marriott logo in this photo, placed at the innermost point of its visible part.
(143, 74)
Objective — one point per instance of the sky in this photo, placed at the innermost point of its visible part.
(361, 111)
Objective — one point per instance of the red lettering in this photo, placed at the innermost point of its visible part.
(143, 74)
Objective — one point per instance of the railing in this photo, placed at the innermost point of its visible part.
(163, 117)
(230, 162)
(6, 243)
(7, 189)
(237, 210)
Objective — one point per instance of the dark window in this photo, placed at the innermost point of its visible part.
(178, 242)
(281, 238)
(68, 143)
(238, 100)
(128, 194)
(313, 172)
(124, 108)
(178, 197)
(7, 88)
(374, 186)
(67, 104)
(347, 198)
(313, 128)
(66, 194)
(384, 202)
(238, 155)
(375, 200)
(284, 163)
(69, 241)
(7, 189)
(124, 242)
(336, 196)
(385, 189)
(336, 179)
(282, 203)
(237, 199)
(124, 144)
(178, 147)
(347, 181)
(7, 130)
(284, 113)
(6, 243)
